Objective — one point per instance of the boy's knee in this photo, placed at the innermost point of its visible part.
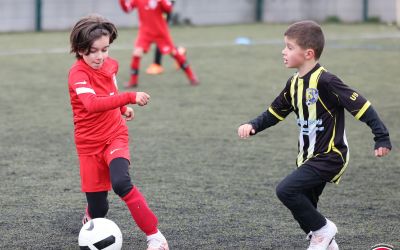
(120, 179)
(122, 187)
(138, 52)
(281, 192)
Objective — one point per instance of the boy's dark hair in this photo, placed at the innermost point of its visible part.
(308, 35)
(87, 30)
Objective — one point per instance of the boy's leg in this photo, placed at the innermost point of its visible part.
(142, 44)
(294, 192)
(157, 56)
(141, 213)
(181, 60)
(95, 181)
(314, 193)
(291, 192)
(134, 71)
(123, 187)
(97, 205)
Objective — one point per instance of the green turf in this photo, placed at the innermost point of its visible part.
(209, 189)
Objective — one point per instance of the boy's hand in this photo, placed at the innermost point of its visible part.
(245, 130)
(129, 114)
(381, 151)
(142, 98)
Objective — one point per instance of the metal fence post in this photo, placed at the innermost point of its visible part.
(365, 10)
(38, 15)
(259, 10)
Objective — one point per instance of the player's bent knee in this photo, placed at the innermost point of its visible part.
(281, 192)
(120, 179)
(138, 52)
(286, 196)
(122, 187)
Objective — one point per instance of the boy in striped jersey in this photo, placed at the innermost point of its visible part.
(318, 99)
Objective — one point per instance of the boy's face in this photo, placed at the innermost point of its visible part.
(97, 53)
(293, 55)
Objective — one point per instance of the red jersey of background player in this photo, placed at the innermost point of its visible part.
(151, 20)
(96, 122)
(153, 29)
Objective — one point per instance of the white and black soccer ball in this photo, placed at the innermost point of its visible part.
(100, 234)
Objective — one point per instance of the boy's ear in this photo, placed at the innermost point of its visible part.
(310, 54)
(82, 52)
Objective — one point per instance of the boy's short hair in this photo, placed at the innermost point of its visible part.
(308, 35)
(87, 30)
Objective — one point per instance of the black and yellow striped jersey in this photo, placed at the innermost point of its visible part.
(318, 99)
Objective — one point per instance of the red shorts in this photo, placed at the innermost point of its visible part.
(94, 169)
(164, 43)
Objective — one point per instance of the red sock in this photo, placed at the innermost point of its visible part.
(135, 64)
(141, 213)
(181, 59)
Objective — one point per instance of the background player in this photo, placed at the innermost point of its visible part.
(153, 28)
(101, 134)
(318, 98)
(156, 68)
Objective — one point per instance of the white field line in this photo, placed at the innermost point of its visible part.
(34, 51)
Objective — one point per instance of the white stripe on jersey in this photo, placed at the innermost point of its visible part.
(84, 91)
(301, 150)
(77, 83)
(312, 137)
(347, 145)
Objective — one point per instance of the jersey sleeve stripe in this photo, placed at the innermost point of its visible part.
(362, 110)
(84, 91)
(275, 114)
(77, 83)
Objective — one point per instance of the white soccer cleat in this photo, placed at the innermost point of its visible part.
(333, 245)
(322, 238)
(157, 241)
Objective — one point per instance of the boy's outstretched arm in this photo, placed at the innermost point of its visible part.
(382, 140)
(94, 104)
(263, 121)
(277, 111)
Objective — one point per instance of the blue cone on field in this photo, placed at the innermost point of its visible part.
(242, 41)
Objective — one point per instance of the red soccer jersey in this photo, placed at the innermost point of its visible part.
(151, 21)
(96, 105)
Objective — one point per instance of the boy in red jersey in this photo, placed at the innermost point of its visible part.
(153, 28)
(101, 134)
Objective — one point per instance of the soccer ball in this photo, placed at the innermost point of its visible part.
(100, 233)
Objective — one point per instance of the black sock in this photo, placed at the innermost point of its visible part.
(157, 56)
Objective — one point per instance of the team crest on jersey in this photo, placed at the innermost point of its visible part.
(311, 96)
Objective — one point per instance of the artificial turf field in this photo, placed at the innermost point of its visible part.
(209, 189)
